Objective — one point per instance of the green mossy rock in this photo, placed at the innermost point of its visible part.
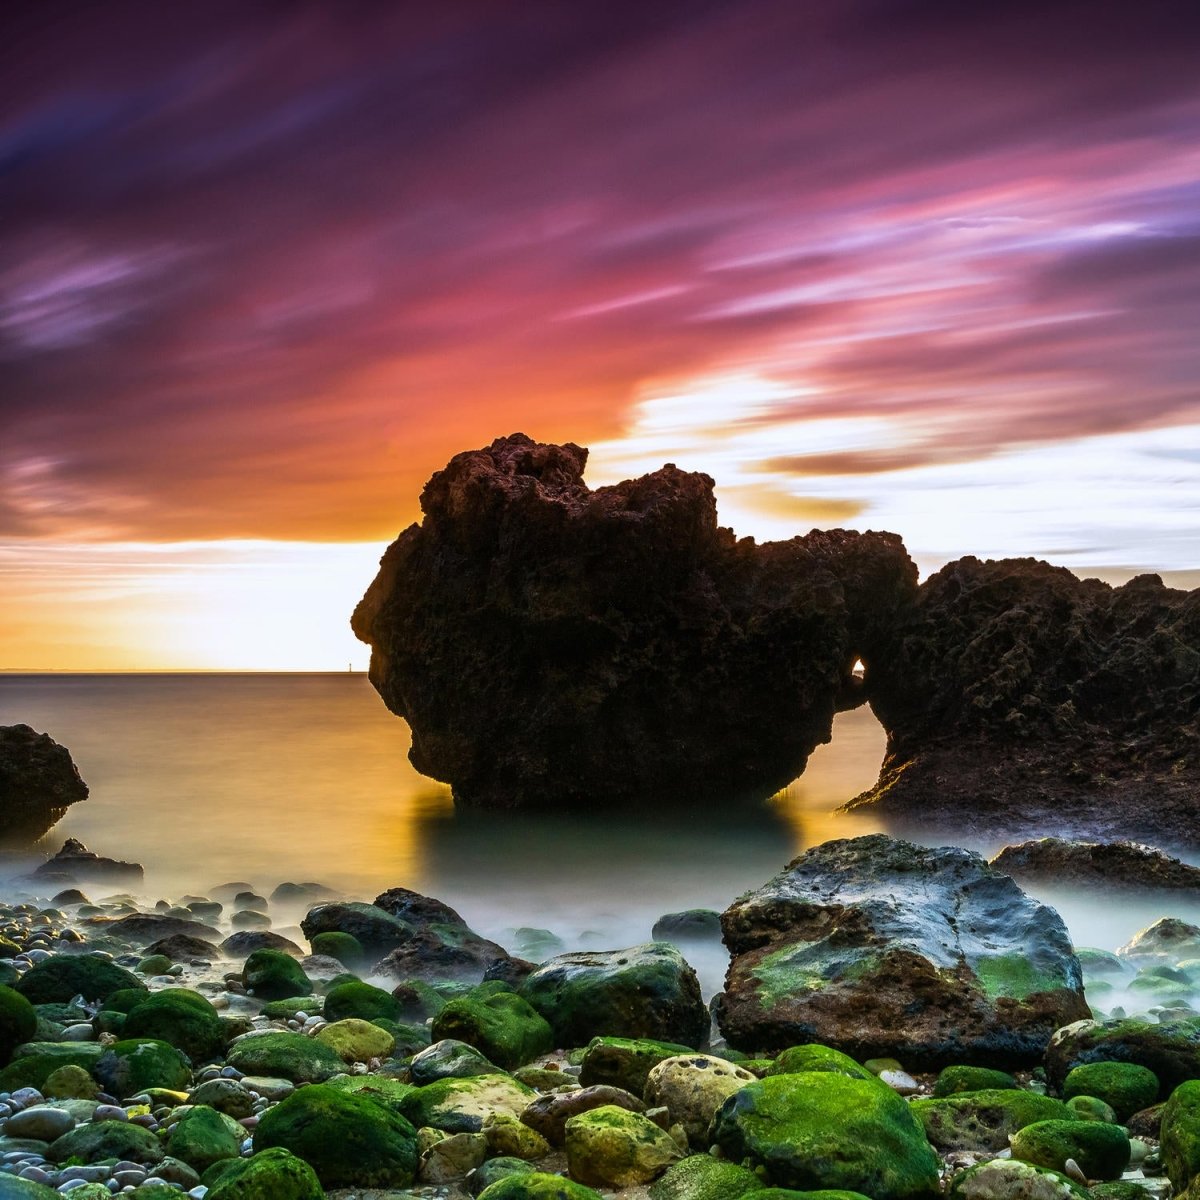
(1010, 1179)
(107, 1139)
(347, 1138)
(344, 947)
(1119, 1189)
(1089, 1108)
(179, 1016)
(625, 1062)
(154, 964)
(419, 1000)
(354, 1041)
(499, 1023)
(1101, 1150)
(70, 1083)
(537, 1185)
(285, 1010)
(1180, 1134)
(38, 1060)
(360, 1001)
(203, 1136)
(1126, 1087)
(449, 1059)
(507, 1137)
(289, 1056)
(62, 977)
(133, 1065)
(462, 1105)
(1171, 1051)
(612, 1147)
(274, 1174)
(381, 1088)
(125, 1000)
(1100, 964)
(821, 1194)
(229, 1096)
(813, 1057)
(702, 1177)
(18, 1022)
(824, 1130)
(12, 1188)
(273, 975)
(984, 1121)
(954, 1080)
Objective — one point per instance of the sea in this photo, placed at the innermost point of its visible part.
(207, 779)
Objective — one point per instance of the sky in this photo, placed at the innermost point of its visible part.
(931, 267)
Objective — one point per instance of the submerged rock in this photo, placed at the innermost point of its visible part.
(1103, 866)
(75, 863)
(553, 645)
(38, 782)
(878, 947)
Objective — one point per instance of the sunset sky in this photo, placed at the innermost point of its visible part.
(931, 267)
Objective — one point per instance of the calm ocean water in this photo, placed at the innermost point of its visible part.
(206, 779)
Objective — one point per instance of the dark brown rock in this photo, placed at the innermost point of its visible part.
(75, 863)
(184, 948)
(553, 645)
(144, 928)
(548, 1114)
(445, 953)
(1101, 866)
(1018, 698)
(245, 942)
(38, 782)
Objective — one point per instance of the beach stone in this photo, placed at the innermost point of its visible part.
(38, 782)
(453, 1157)
(984, 1121)
(879, 947)
(646, 991)
(1126, 1087)
(349, 1139)
(290, 1056)
(274, 975)
(549, 1114)
(357, 1041)
(507, 1137)
(1011, 1179)
(693, 1087)
(449, 1059)
(824, 1130)
(462, 1105)
(203, 1136)
(61, 977)
(183, 948)
(702, 1177)
(959, 1078)
(1171, 1051)
(134, 1064)
(274, 1174)
(625, 1062)
(500, 1024)
(44, 1124)
(613, 1147)
(1180, 1133)
(100, 1140)
(229, 1096)
(70, 1083)
(537, 1185)
(267, 1086)
(247, 941)
(182, 1017)
(376, 930)
(1101, 1151)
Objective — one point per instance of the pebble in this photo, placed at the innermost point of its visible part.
(24, 1097)
(110, 1112)
(96, 1173)
(83, 1032)
(231, 1073)
(44, 1124)
(35, 1174)
(129, 1178)
(37, 956)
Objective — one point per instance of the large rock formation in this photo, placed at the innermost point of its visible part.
(879, 947)
(1018, 698)
(550, 644)
(1100, 867)
(38, 781)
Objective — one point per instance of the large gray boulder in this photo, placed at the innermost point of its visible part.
(879, 947)
(38, 782)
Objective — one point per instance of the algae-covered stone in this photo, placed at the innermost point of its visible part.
(381, 1088)
(285, 1010)
(375, 929)
(70, 1083)
(984, 1120)
(537, 1185)
(133, 1065)
(549, 1114)
(953, 1080)
(1127, 1087)
(1010, 1179)
(274, 975)
(693, 1087)
(647, 991)
(107, 1139)
(230, 1096)
(357, 1041)
(702, 1177)
(1180, 1133)
(500, 1024)
(345, 947)
(38, 1060)
(360, 1000)
(274, 1174)
(18, 1022)
(349, 1139)
(1171, 1051)
(179, 1016)
(452, 1156)
(448, 1059)
(612, 1147)
(826, 1130)
(289, 1056)
(12, 1188)
(462, 1105)
(508, 1137)
(625, 1062)
(1089, 1108)
(203, 1136)
(814, 1057)
(62, 977)
(1100, 1150)
(1119, 1189)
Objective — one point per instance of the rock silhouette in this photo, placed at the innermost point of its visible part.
(38, 781)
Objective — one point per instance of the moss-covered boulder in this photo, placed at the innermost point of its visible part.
(500, 1024)
(815, 1057)
(826, 1130)
(274, 975)
(357, 1041)
(985, 1120)
(1119, 1189)
(182, 1017)
(18, 1022)
(537, 1185)
(344, 947)
(612, 1147)
(1126, 1087)
(275, 1174)
(702, 1177)
(203, 1136)
(647, 991)
(956, 1079)
(550, 1113)
(12, 1188)
(625, 1062)
(349, 1139)
(39, 1060)
(1090, 1108)
(505, 1136)
(449, 1059)
(99, 1140)
(285, 1056)
(361, 1001)
(1171, 1050)
(1011, 1179)
(62, 977)
(692, 1087)
(1100, 1150)
(229, 1096)
(381, 1088)
(285, 1010)
(1180, 1133)
(70, 1083)
(135, 1064)
(462, 1105)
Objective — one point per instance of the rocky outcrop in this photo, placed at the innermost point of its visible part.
(1099, 866)
(38, 781)
(75, 863)
(882, 948)
(554, 645)
(1017, 697)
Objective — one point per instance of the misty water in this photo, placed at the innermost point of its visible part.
(206, 779)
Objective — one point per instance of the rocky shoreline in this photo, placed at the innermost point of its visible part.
(897, 1023)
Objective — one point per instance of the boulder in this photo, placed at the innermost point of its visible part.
(1126, 1087)
(203, 1136)
(1166, 942)
(62, 977)
(145, 928)
(613, 1147)
(1100, 1150)
(274, 975)
(692, 1087)
(183, 948)
(500, 1024)
(98, 1140)
(1011, 1179)
(274, 1174)
(134, 1064)
(1099, 866)
(702, 1177)
(75, 863)
(376, 930)
(878, 947)
(549, 1114)
(18, 1022)
(632, 646)
(1171, 1051)
(625, 1062)
(1018, 697)
(462, 1105)
(1180, 1133)
(361, 1000)
(179, 1016)
(290, 1056)
(536, 1185)
(984, 1121)
(246, 941)
(38, 782)
(441, 952)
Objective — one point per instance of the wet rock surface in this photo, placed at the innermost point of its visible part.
(1106, 866)
(38, 782)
